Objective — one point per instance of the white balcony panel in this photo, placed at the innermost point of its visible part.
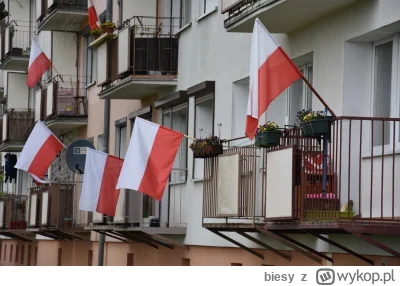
(18, 91)
(120, 210)
(279, 195)
(65, 55)
(32, 215)
(177, 210)
(102, 75)
(5, 126)
(49, 3)
(1, 213)
(123, 50)
(45, 207)
(97, 217)
(38, 5)
(49, 107)
(228, 185)
(38, 102)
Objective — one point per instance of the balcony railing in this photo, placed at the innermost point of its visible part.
(17, 42)
(288, 182)
(13, 212)
(61, 99)
(55, 207)
(17, 125)
(49, 6)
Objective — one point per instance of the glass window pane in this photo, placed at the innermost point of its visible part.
(382, 92)
(309, 92)
(295, 100)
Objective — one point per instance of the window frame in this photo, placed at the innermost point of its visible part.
(304, 69)
(394, 97)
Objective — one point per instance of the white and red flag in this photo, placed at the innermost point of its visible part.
(271, 72)
(92, 14)
(149, 159)
(38, 65)
(99, 192)
(39, 151)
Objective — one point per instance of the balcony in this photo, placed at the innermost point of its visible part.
(53, 212)
(16, 126)
(279, 16)
(143, 219)
(282, 189)
(17, 39)
(144, 61)
(66, 15)
(13, 220)
(62, 105)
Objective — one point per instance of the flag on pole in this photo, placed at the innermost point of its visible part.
(39, 151)
(38, 181)
(99, 192)
(92, 14)
(271, 72)
(38, 65)
(149, 159)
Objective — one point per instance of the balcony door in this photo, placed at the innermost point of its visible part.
(300, 95)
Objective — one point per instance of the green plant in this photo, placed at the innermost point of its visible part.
(108, 24)
(309, 115)
(268, 127)
(202, 143)
(96, 31)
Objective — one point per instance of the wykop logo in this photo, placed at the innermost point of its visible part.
(325, 276)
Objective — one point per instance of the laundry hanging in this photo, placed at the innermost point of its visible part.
(10, 170)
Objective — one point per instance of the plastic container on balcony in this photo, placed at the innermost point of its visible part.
(268, 139)
(316, 128)
(208, 151)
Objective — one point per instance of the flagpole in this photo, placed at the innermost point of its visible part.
(317, 95)
(188, 137)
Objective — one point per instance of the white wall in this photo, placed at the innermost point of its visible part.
(17, 93)
(64, 55)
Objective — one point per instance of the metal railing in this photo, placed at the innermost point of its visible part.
(361, 182)
(66, 100)
(54, 207)
(17, 38)
(49, 6)
(18, 124)
(13, 208)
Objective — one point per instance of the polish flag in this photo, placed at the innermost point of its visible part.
(271, 72)
(149, 159)
(39, 151)
(38, 65)
(38, 182)
(99, 192)
(93, 18)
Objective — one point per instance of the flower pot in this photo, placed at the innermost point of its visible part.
(107, 30)
(95, 37)
(208, 152)
(316, 128)
(268, 139)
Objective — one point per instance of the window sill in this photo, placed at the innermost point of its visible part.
(196, 180)
(91, 84)
(379, 153)
(184, 28)
(207, 14)
(177, 183)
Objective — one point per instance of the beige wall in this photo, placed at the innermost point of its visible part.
(21, 259)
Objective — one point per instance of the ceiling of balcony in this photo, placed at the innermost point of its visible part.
(284, 16)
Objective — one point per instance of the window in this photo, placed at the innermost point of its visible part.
(185, 262)
(120, 141)
(204, 127)
(100, 142)
(300, 95)
(382, 90)
(186, 12)
(89, 61)
(207, 6)
(29, 255)
(59, 257)
(236, 264)
(176, 118)
(11, 252)
(1, 249)
(129, 259)
(5, 252)
(22, 254)
(16, 253)
(90, 257)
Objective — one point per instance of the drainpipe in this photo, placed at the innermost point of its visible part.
(106, 135)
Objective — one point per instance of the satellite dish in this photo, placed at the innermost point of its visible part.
(76, 155)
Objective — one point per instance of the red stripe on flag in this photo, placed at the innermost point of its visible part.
(45, 156)
(160, 162)
(39, 66)
(274, 76)
(108, 197)
(92, 18)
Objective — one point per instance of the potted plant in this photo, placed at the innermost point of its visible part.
(314, 123)
(107, 27)
(96, 32)
(268, 135)
(207, 147)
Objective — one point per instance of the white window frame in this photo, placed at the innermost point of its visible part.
(305, 104)
(394, 99)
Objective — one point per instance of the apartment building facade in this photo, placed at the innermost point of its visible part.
(185, 64)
